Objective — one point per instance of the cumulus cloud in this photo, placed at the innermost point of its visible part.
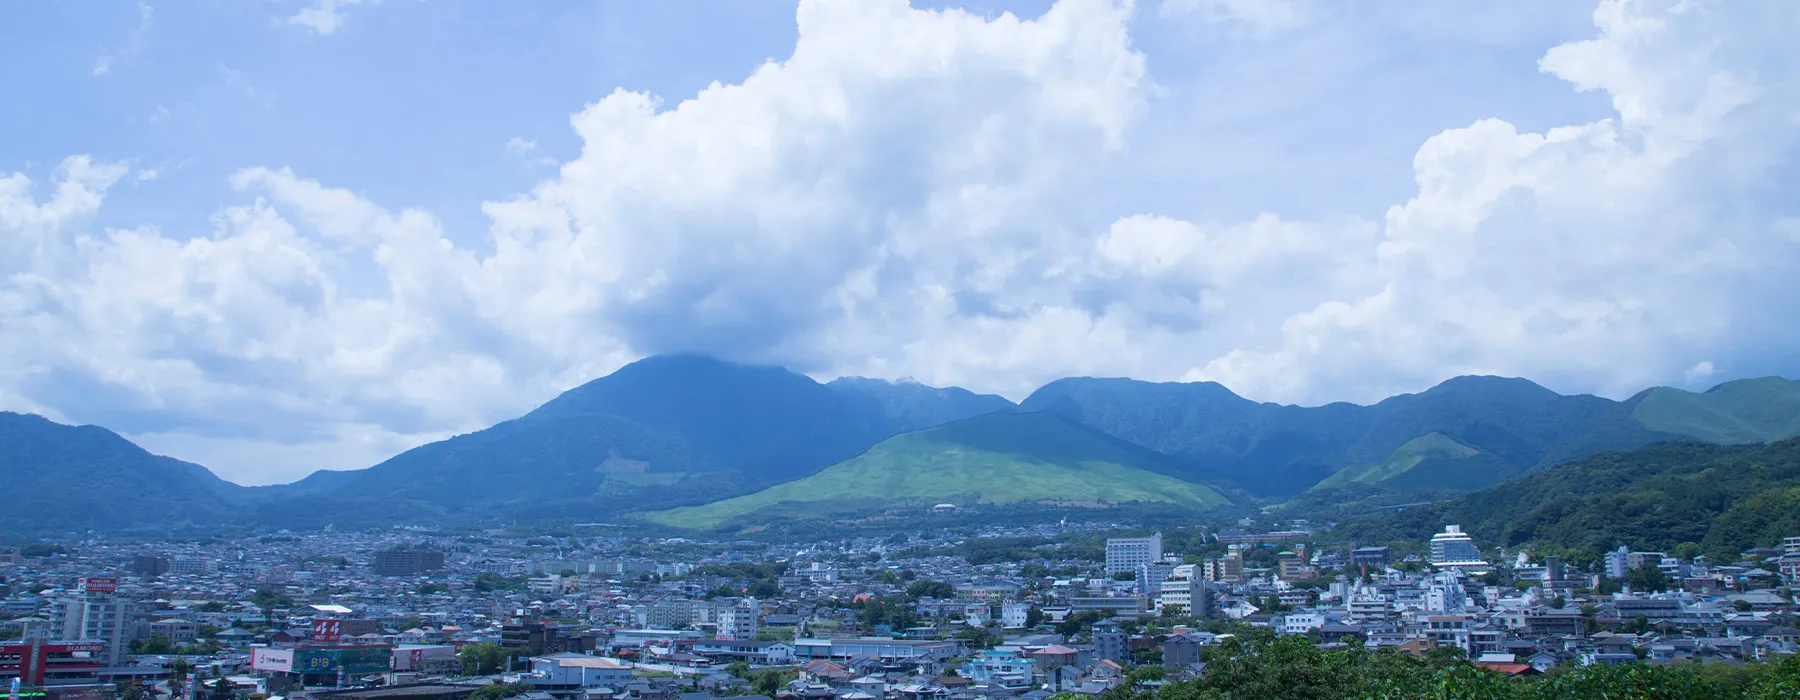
(1606, 255)
(898, 198)
(895, 150)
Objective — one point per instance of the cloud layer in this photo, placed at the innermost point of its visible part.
(902, 196)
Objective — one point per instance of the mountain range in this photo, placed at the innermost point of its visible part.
(695, 442)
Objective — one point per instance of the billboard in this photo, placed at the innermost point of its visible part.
(328, 631)
(361, 659)
(263, 659)
(100, 585)
(420, 658)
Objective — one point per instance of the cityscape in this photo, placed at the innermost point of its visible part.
(414, 613)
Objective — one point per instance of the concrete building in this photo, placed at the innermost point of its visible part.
(1109, 641)
(189, 566)
(571, 671)
(147, 566)
(1014, 615)
(1186, 589)
(94, 613)
(740, 622)
(1125, 554)
(1618, 562)
(1370, 557)
(407, 562)
(1453, 547)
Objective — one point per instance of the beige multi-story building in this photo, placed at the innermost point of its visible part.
(96, 614)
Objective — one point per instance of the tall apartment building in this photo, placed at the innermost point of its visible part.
(666, 615)
(1109, 641)
(740, 622)
(1225, 569)
(407, 562)
(149, 566)
(1453, 547)
(1126, 554)
(1617, 562)
(1186, 588)
(94, 613)
(1150, 576)
(190, 566)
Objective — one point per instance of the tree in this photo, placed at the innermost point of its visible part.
(1034, 616)
(1150, 672)
(486, 657)
(500, 691)
(1646, 579)
(978, 638)
(485, 582)
(221, 689)
(768, 682)
(927, 588)
(1077, 622)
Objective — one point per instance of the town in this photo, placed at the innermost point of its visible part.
(952, 615)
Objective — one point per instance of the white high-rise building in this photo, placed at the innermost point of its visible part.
(1186, 588)
(1618, 562)
(1452, 547)
(1126, 554)
(740, 622)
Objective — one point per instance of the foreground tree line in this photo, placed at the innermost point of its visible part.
(1292, 668)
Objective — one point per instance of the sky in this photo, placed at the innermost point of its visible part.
(275, 236)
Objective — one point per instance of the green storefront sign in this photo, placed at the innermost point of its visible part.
(351, 660)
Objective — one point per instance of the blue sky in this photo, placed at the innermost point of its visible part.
(283, 235)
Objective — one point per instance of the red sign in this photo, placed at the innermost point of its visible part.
(328, 631)
(29, 661)
(100, 585)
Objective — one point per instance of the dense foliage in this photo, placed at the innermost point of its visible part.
(1263, 667)
(483, 658)
(1684, 498)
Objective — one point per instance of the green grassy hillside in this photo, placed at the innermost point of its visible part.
(1430, 461)
(999, 458)
(1743, 411)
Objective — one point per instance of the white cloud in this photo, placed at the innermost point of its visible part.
(324, 16)
(527, 150)
(1603, 256)
(903, 197)
(134, 43)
